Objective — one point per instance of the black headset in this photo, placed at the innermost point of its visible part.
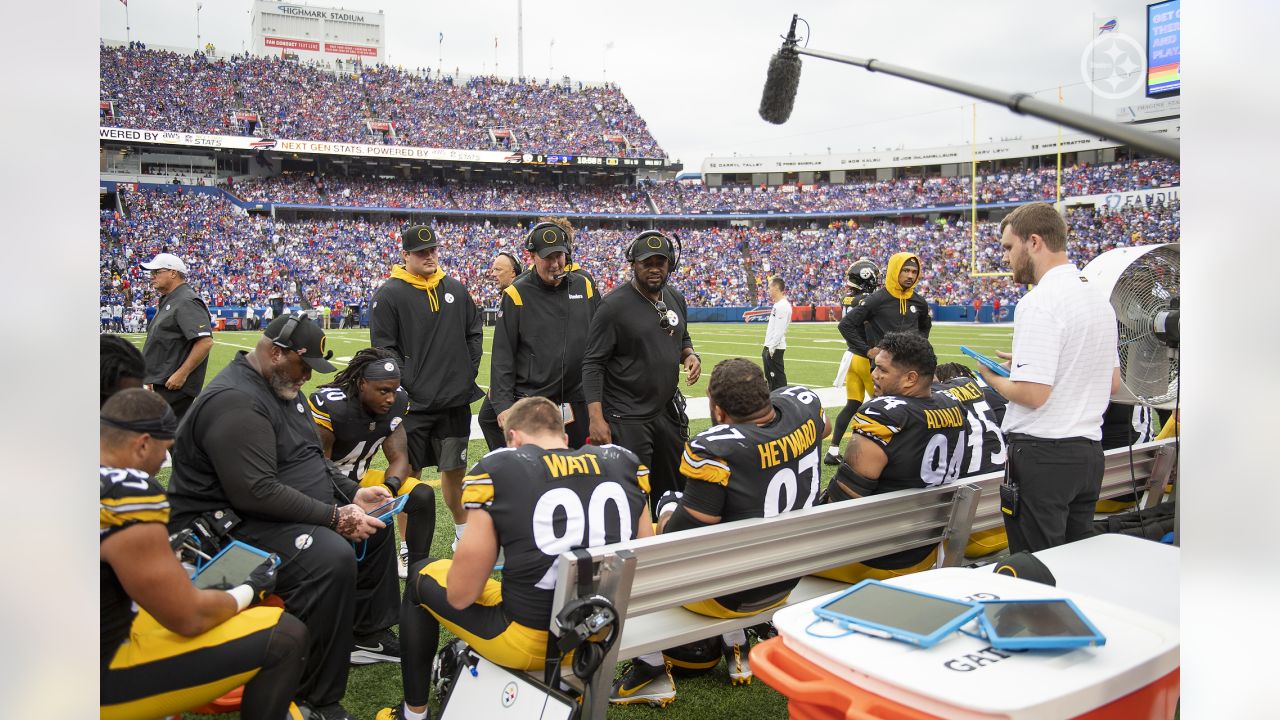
(548, 233)
(583, 620)
(515, 264)
(649, 237)
(286, 332)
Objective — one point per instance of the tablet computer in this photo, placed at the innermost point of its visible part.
(874, 608)
(992, 365)
(384, 511)
(230, 567)
(1037, 625)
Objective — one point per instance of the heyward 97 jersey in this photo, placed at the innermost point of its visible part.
(922, 437)
(546, 502)
(357, 435)
(984, 410)
(759, 470)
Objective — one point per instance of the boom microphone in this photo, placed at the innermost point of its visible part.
(782, 81)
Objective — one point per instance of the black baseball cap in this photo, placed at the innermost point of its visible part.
(1026, 566)
(418, 237)
(650, 243)
(299, 334)
(546, 238)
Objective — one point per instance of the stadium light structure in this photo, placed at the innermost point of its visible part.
(784, 79)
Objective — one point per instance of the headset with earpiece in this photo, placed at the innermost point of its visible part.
(548, 233)
(653, 240)
(587, 625)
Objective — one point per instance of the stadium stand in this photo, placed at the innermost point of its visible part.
(240, 258)
(151, 89)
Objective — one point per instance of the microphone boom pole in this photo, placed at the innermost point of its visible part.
(1020, 103)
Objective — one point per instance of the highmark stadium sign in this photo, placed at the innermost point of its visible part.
(317, 147)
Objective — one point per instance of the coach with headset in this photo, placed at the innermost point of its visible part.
(541, 334)
(638, 338)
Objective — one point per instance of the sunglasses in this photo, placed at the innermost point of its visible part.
(663, 321)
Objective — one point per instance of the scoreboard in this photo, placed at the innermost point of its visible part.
(1164, 73)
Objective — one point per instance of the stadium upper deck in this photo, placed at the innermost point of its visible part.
(268, 96)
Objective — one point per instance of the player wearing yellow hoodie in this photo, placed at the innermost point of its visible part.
(892, 307)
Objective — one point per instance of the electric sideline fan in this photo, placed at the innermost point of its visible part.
(1143, 285)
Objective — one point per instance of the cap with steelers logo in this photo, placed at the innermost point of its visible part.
(418, 237)
(650, 243)
(299, 334)
(546, 238)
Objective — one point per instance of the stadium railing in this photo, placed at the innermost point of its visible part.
(648, 580)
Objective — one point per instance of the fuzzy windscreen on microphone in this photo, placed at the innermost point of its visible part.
(780, 86)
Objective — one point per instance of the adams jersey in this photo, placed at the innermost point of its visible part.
(546, 502)
(750, 471)
(924, 438)
(127, 497)
(984, 447)
(357, 435)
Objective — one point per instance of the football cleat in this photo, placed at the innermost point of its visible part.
(735, 658)
(644, 683)
(832, 458)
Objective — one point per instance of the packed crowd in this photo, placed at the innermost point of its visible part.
(153, 89)
(671, 197)
(240, 259)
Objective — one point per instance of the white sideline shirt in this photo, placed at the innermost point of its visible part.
(775, 336)
(1064, 335)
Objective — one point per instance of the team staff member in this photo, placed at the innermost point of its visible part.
(638, 337)
(504, 270)
(728, 479)
(1063, 371)
(431, 322)
(362, 410)
(541, 334)
(571, 263)
(178, 337)
(166, 645)
(775, 336)
(508, 496)
(904, 437)
(864, 278)
(249, 446)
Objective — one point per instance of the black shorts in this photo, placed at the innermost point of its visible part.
(439, 438)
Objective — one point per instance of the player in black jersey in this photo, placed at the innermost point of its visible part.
(864, 278)
(907, 436)
(760, 459)
(362, 410)
(166, 645)
(530, 499)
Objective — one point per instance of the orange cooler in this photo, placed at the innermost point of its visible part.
(1133, 677)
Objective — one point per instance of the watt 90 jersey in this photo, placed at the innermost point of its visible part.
(984, 411)
(758, 470)
(922, 437)
(357, 435)
(546, 502)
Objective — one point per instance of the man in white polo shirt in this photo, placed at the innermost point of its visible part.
(775, 337)
(1063, 370)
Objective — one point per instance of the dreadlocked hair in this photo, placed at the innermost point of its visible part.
(349, 379)
(117, 358)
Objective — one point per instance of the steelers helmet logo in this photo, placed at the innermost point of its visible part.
(654, 242)
(550, 237)
(865, 273)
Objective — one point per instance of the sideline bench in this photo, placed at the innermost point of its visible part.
(648, 580)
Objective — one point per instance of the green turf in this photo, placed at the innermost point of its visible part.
(813, 354)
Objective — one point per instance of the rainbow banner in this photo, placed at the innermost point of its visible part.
(1164, 58)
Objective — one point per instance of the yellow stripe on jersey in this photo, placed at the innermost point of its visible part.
(642, 478)
(477, 492)
(514, 294)
(710, 470)
(864, 425)
(591, 290)
(117, 512)
(321, 417)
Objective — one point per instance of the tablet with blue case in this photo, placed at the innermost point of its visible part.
(987, 362)
(896, 613)
(1037, 625)
(230, 567)
(384, 511)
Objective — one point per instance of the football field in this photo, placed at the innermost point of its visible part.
(813, 356)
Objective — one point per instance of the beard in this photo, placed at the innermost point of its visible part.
(1024, 273)
(642, 280)
(285, 387)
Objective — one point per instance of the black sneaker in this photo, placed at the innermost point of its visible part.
(644, 683)
(332, 711)
(832, 458)
(382, 646)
